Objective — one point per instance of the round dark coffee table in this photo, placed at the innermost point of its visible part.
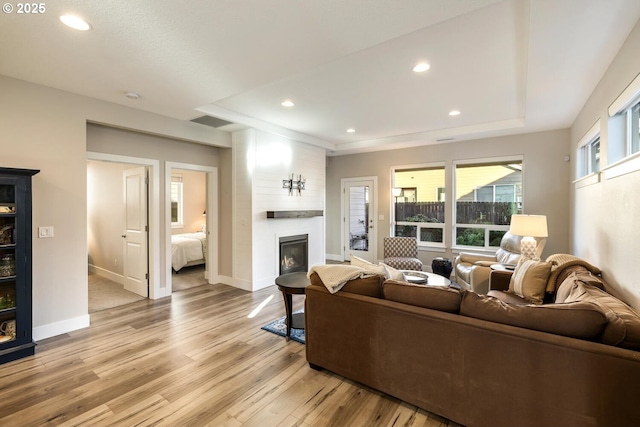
(292, 284)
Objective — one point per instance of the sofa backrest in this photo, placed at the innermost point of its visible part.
(623, 324)
(370, 286)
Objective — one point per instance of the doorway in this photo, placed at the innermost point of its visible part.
(359, 233)
(191, 225)
(117, 233)
(188, 228)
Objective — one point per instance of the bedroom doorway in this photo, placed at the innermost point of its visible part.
(191, 206)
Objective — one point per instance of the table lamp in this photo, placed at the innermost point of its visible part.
(529, 226)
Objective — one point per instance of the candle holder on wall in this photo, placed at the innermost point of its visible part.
(294, 184)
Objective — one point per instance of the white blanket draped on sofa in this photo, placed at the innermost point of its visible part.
(188, 249)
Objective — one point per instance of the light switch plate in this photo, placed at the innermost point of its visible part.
(45, 232)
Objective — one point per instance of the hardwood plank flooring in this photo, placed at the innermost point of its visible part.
(194, 359)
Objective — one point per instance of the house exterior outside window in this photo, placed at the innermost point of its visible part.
(486, 195)
(419, 210)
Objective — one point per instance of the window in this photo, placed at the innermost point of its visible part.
(419, 207)
(633, 115)
(408, 195)
(486, 195)
(588, 153)
(624, 124)
(590, 157)
(176, 201)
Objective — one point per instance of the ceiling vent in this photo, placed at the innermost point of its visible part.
(214, 122)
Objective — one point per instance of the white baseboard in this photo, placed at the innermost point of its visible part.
(333, 257)
(118, 278)
(62, 327)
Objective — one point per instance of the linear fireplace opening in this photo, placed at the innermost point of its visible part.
(294, 253)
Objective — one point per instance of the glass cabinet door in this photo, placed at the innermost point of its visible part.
(7, 263)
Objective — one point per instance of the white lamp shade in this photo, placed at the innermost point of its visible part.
(529, 225)
(396, 191)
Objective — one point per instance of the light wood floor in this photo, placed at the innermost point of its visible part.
(194, 359)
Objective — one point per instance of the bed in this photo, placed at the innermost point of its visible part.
(188, 249)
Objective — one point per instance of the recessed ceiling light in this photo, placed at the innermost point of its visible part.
(421, 67)
(287, 103)
(454, 113)
(351, 130)
(75, 22)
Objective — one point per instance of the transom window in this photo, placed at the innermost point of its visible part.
(624, 124)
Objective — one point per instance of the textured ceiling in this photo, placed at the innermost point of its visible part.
(508, 66)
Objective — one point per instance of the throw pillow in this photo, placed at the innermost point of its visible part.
(393, 273)
(368, 266)
(529, 279)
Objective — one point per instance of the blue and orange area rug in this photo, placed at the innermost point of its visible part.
(279, 327)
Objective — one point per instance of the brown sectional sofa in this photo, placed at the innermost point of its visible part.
(477, 360)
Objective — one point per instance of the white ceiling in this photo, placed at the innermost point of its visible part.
(509, 66)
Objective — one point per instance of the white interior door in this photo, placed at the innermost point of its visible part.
(359, 236)
(136, 264)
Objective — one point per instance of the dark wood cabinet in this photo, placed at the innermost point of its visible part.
(15, 264)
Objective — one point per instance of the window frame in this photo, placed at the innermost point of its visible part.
(421, 227)
(178, 180)
(623, 138)
(488, 228)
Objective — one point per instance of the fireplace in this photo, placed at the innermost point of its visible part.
(294, 253)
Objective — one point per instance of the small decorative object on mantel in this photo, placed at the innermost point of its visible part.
(293, 184)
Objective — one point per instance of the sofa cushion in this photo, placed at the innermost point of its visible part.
(623, 324)
(529, 279)
(433, 297)
(508, 297)
(580, 319)
(369, 286)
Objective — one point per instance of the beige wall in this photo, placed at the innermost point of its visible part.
(110, 140)
(604, 216)
(105, 219)
(46, 129)
(546, 175)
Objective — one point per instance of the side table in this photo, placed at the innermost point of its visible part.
(292, 284)
(500, 276)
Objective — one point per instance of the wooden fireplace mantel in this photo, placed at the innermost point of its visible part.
(293, 214)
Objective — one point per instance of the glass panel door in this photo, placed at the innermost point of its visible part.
(359, 237)
(7, 263)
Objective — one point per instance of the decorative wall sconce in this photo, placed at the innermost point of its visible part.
(293, 184)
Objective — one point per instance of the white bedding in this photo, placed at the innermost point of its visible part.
(188, 248)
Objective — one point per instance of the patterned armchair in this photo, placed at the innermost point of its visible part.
(402, 253)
